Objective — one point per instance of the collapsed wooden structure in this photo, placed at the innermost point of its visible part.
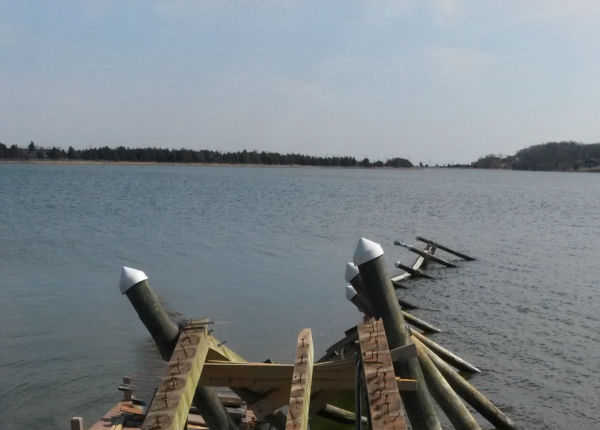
(394, 371)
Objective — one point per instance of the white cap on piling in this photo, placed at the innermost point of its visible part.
(367, 250)
(130, 277)
(350, 292)
(351, 271)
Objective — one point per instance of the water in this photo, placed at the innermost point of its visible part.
(262, 252)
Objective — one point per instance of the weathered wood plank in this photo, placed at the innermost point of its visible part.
(451, 251)
(171, 404)
(424, 254)
(330, 375)
(114, 415)
(385, 405)
(274, 400)
(297, 416)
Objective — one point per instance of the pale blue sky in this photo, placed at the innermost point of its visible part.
(434, 81)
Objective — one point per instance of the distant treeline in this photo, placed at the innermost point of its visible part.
(160, 155)
(548, 156)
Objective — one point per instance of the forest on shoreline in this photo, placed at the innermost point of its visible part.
(551, 156)
(162, 155)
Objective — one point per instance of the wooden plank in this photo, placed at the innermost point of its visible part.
(331, 375)
(274, 400)
(297, 416)
(218, 351)
(442, 247)
(406, 384)
(424, 254)
(114, 415)
(413, 272)
(171, 403)
(385, 405)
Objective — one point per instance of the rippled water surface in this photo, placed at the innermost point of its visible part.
(262, 251)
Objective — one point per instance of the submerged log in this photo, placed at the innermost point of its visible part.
(444, 248)
(419, 405)
(470, 394)
(445, 354)
(446, 397)
(134, 284)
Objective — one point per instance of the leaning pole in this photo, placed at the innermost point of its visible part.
(134, 284)
(419, 404)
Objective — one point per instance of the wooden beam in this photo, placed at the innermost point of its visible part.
(328, 375)
(419, 323)
(406, 384)
(297, 416)
(274, 400)
(425, 255)
(451, 251)
(385, 405)
(171, 403)
(403, 353)
(417, 273)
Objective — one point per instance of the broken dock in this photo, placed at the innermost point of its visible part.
(397, 375)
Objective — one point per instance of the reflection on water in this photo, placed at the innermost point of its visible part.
(264, 251)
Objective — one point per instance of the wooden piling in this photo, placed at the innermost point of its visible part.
(369, 258)
(470, 394)
(446, 397)
(134, 284)
(425, 255)
(445, 354)
(357, 300)
(417, 273)
(418, 322)
(77, 423)
(442, 247)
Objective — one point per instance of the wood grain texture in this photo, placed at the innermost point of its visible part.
(171, 403)
(385, 405)
(297, 416)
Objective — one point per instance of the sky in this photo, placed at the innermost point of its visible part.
(435, 81)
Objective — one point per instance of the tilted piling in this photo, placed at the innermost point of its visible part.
(448, 356)
(470, 394)
(369, 259)
(445, 396)
(134, 284)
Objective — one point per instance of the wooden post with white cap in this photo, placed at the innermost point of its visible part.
(369, 259)
(134, 284)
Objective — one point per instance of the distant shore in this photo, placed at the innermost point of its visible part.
(191, 164)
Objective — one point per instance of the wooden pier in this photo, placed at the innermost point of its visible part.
(387, 362)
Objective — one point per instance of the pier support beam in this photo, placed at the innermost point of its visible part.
(369, 259)
(134, 284)
(470, 394)
(445, 396)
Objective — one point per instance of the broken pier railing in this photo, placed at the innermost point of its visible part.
(397, 374)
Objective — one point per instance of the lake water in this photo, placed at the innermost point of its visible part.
(262, 252)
